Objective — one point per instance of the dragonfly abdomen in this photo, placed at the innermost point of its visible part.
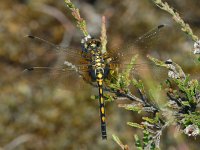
(99, 79)
(100, 74)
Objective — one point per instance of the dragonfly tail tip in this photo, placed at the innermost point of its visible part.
(30, 36)
(104, 137)
(161, 26)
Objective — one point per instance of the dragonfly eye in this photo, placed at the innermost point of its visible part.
(169, 61)
(98, 43)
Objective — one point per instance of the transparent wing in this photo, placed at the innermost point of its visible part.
(65, 73)
(61, 71)
(69, 74)
(60, 50)
(60, 55)
(141, 45)
(142, 69)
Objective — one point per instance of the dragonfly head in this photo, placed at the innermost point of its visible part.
(92, 46)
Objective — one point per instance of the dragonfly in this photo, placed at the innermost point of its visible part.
(95, 65)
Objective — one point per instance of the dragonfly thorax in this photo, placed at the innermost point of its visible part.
(98, 68)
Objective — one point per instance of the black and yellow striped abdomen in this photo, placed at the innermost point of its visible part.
(99, 79)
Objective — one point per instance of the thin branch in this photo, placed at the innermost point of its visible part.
(81, 24)
(103, 35)
(184, 26)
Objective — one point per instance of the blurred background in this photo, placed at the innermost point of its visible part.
(40, 111)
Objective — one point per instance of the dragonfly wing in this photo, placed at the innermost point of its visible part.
(141, 45)
(141, 69)
(66, 72)
(58, 49)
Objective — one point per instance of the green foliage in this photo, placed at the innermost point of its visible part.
(107, 97)
(136, 108)
(124, 78)
(135, 125)
(193, 118)
(138, 143)
(81, 24)
(183, 94)
(146, 142)
(122, 81)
